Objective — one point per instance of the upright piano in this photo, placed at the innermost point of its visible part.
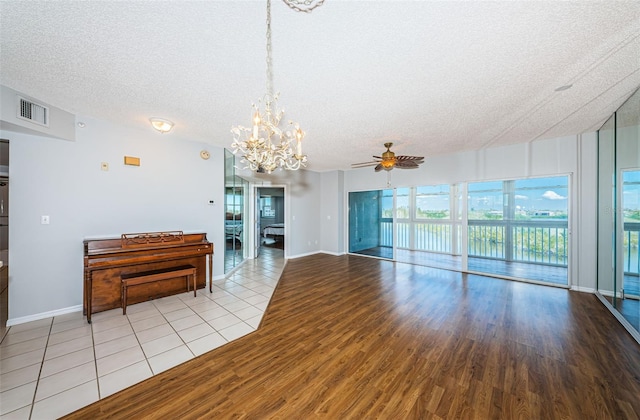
(105, 260)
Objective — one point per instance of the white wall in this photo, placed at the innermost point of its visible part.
(332, 204)
(574, 155)
(64, 180)
(302, 207)
(61, 123)
(540, 158)
(172, 187)
(305, 231)
(585, 234)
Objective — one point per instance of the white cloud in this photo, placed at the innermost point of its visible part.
(521, 197)
(552, 195)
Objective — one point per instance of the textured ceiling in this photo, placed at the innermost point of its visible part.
(432, 77)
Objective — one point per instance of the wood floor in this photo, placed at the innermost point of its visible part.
(352, 337)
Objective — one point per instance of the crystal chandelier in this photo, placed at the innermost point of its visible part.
(265, 146)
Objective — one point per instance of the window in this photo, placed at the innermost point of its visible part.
(485, 201)
(522, 225)
(432, 202)
(267, 208)
(540, 198)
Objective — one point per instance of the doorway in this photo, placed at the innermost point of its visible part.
(270, 220)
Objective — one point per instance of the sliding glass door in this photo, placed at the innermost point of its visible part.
(428, 226)
(520, 228)
(371, 223)
(515, 228)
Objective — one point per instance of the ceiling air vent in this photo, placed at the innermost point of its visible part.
(33, 112)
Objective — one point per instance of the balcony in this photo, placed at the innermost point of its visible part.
(532, 249)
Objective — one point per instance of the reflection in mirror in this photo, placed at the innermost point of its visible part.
(371, 223)
(619, 212)
(627, 144)
(235, 218)
(606, 202)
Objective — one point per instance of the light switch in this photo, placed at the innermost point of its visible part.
(44, 220)
(104, 166)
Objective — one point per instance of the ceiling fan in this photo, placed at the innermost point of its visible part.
(389, 160)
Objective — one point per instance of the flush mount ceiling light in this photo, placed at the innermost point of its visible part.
(162, 125)
(265, 146)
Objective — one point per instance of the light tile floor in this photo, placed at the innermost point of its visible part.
(51, 367)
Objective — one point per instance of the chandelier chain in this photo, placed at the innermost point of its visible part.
(297, 5)
(269, 54)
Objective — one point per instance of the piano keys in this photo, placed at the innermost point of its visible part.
(105, 260)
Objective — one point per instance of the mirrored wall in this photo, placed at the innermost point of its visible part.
(235, 218)
(619, 211)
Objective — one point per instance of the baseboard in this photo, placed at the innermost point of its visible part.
(336, 254)
(43, 315)
(622, 320)
(608, 293)
(293, 257)
(582, 289)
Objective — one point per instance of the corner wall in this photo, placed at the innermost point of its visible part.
(170, 190)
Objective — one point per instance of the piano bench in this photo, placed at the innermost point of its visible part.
(144, 277)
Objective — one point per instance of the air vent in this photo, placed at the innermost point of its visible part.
(33, 112)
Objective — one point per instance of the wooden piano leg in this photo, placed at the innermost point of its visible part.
(88, 296)
(211, 272)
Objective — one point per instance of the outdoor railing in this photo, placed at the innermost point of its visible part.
(426, 236)
(631, 241)
(537, 242)
(531, 241)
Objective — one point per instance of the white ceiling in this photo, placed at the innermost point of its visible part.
(433, 77)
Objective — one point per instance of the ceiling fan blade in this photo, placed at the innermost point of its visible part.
(379, 167)
(410, 158)
(377, 157)
(363, 164)
(406, 164)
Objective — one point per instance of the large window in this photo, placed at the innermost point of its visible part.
(513, 228)
(432, 202)
(519, 228)
(425, 231)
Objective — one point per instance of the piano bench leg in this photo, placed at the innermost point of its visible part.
(193, 276)
(194, 282)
